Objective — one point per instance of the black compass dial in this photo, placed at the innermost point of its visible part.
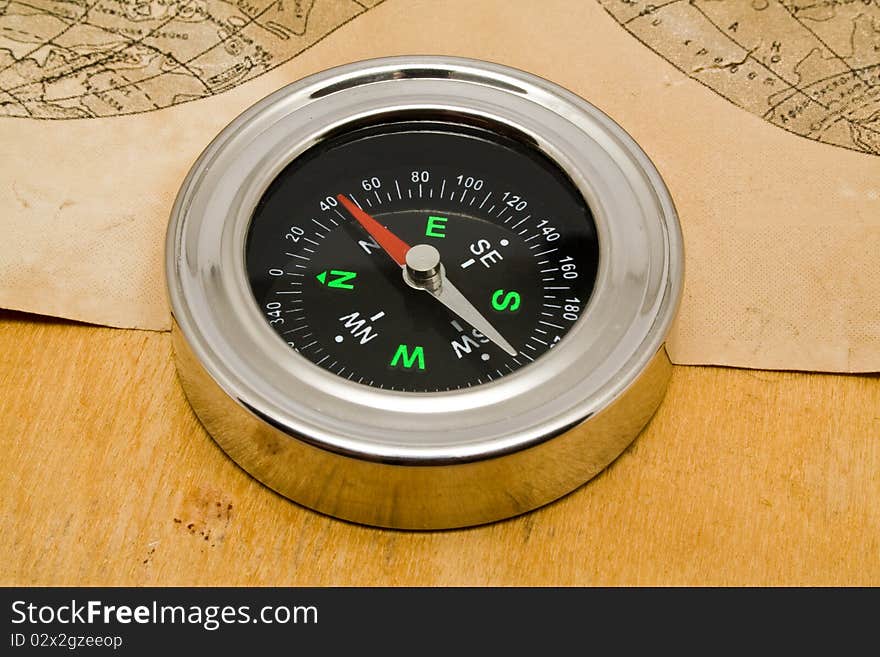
(422, 256)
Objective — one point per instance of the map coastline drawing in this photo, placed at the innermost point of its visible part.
(811, 67)
(76, 59)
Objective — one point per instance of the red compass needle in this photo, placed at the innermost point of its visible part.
(390, 243)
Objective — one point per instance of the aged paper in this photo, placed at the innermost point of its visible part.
(808, 67)
(92, 155)
(762, 117)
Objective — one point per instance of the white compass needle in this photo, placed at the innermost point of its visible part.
(450, 297)
(424, 271)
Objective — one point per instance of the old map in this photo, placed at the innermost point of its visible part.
(811, 67)
(64, 59)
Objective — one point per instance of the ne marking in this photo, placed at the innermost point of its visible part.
(467, 263)
(378, 315)
(322, 225)
(442, 187)
(556, 326)
(398, 190)
(519, 222)
(485, 199)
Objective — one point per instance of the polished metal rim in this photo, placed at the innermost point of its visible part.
(629, 314)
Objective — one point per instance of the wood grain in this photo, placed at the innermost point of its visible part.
(743, 477)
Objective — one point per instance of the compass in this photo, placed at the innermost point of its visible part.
(423, 292)
(414, 255)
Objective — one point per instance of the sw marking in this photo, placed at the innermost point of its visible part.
(465, 343)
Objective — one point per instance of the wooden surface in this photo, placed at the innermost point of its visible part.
(743, 477)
